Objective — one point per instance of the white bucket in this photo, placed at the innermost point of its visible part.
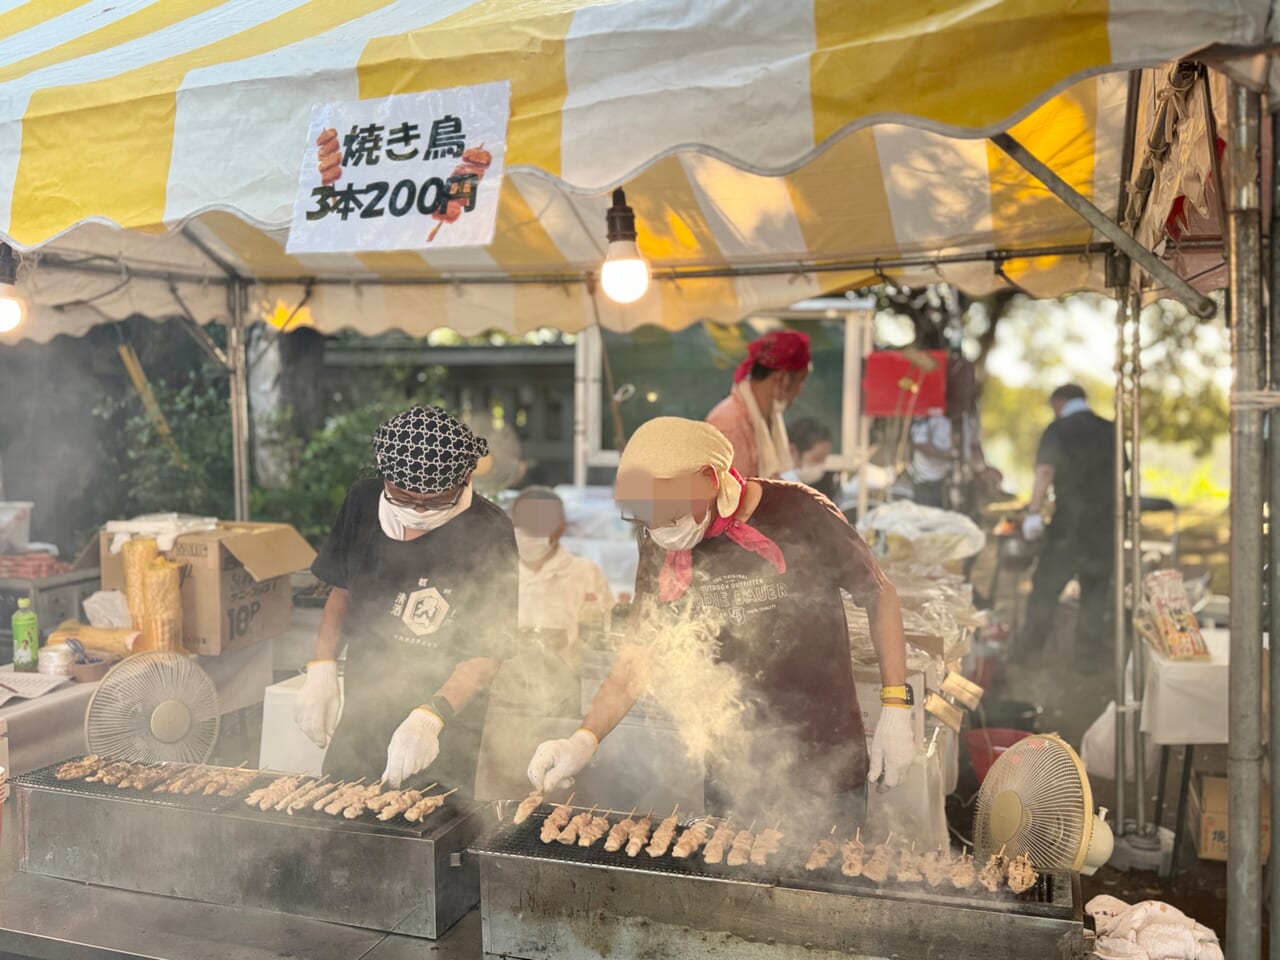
(15, 525)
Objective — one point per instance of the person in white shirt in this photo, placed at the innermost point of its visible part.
(540, 687)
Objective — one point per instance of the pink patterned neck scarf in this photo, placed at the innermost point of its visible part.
(677, 568)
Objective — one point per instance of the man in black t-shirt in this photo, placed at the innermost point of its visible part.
(1077, 459)
(424, 598)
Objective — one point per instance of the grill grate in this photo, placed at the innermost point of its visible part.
(368, 822)
(44, 779)
(1051, 896)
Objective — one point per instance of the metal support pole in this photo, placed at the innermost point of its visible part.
(1119, 622)
(1199, 304)
(1135, 565)
(238, 360)
(1244, 751)
(1274, 585)
(581, 445)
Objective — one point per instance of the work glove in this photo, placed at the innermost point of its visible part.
(556, 762)
(319, 702)
(413, 747)
(893, 746)
(1032, 527)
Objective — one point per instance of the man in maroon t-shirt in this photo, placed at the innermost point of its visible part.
(765, 563)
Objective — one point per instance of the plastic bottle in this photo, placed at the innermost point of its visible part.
(26, 638)
(592, 621)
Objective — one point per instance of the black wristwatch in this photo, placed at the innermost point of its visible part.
(443, 708)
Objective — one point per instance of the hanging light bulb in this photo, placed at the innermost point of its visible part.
(624, 276)
(12, 308)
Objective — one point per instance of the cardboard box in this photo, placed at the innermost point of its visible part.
(867, 682)
(1209, 818)
(235, 582)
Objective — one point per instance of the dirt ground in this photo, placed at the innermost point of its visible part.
(1071, 701)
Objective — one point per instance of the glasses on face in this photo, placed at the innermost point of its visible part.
(411, 502)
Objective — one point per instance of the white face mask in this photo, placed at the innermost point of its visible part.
(533, 549)
(809, 472)
(685, 534)
(780, 407)
(395, 520)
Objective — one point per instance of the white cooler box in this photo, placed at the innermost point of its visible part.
(284, 746)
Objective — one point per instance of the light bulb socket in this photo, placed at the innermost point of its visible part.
(8, 265)
(621, 219)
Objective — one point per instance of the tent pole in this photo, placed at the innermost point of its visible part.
(1135, 562)
(238, 358)
(1119, 623)
(1273, 290)
(1199, 304)
(1244, 751)
(581, 444)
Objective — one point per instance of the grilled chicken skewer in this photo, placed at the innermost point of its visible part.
(935, 866)
(852, 853)
(318, 791)
(427, 806)
(662, 837)
(297, 793)
(719, 843)
(335, 803)
(766, 845)
(1022, 874)
(740, 852)
(963, 874)
(556, 820)
(619, 833)
(529, 804)
(398, 806)
(994, 873)
(569, 835)
(358, 802)
(908, 869)
(639, 835)
(78, 769)
(822, 853)
(692, 840)
(237, 783)
(594, 829)
(880, 862)
(398, 801)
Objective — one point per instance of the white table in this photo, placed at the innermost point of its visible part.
(51, 728)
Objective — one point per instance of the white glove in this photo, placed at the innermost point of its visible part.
(319, 702)
(556, 762)
(413, 747)
(893, 747)
(1032, 526)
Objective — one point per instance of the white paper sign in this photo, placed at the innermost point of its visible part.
(408, 172)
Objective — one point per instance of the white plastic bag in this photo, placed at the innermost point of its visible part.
(903, 530)
(1098, 746)
(108, 609)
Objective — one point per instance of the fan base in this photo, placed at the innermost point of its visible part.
(1143, 853)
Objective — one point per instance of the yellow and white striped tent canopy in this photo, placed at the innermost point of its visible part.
(145, 141)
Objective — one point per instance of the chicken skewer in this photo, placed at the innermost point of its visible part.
(619, 832)
(227, 778)
(963, 875)
(475, 162)
(358, 802)
(853, 853)
(556, 820)
(527, 806)
(401, 804)
(994, 873)
(740, 852)
(78, 769)
(427, 806)
(318, 791)
(662, 837)
(593, 830)
(569, 835)
(719, 843)
(935, 867)
(692, 840)
(908, 870)
(1022, 874)
(766, 845)
(335, 803)
(238, 783)
(822, 853)
(880, 862)
(277, 792)
(639, 835)
(298, 792)
(399, 800)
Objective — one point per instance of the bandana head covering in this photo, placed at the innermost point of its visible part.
(674, 447)
(425, 450)
(777, 350)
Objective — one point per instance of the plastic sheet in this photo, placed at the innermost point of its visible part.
(908, 531)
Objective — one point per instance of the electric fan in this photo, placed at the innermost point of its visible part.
(1036, 800)
(154, 707)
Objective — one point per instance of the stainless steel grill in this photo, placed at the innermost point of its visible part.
(392, 876)
(540, 900)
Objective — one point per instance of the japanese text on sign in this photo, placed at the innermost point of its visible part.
(408, 172)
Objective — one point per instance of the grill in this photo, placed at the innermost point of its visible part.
(542, 900)
(395, 876)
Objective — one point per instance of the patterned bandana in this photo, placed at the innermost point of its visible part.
(425, 450)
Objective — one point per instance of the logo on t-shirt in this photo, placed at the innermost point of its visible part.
(425, 611)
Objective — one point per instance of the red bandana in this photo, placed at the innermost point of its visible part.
(777, 350)
(677, 568)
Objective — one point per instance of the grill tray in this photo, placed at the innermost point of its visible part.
(1050, 897)
(44, 779)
